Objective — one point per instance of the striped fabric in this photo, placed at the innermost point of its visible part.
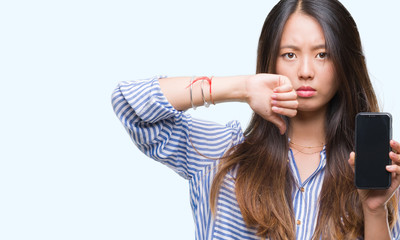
(173, 138)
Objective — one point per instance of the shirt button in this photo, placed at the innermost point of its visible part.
(298, 222)
(302, 189)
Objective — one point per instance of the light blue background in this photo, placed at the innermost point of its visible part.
(68, 170)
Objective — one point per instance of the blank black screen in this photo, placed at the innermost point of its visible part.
(372, 151)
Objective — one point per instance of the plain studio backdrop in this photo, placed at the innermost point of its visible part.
(68, 169)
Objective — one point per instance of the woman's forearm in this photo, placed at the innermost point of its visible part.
(223, 89)
(376, 224)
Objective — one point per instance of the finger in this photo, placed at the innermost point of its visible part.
(285, 104)
(284, 88)
(285, 96)
(284, 111)
(351, 160)
(279, 122)
(395, 146)
(393, 169)
(283, 80)
(395, 157)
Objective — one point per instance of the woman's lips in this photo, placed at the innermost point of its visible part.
(305, 91)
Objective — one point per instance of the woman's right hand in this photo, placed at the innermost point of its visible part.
(271, 95)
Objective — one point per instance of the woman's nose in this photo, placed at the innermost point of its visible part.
(306, 69)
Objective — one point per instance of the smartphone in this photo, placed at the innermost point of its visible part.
(372, 140)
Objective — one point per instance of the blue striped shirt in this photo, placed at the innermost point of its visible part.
(172, 138)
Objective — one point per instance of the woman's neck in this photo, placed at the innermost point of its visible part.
(308, 129)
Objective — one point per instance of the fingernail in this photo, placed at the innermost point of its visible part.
(390, 167)
(274, 102)
(273, 96)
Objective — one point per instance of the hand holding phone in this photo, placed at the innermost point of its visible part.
(372, 140)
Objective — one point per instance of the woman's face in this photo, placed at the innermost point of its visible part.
(304, 60)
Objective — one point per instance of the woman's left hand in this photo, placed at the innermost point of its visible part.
(375, 199)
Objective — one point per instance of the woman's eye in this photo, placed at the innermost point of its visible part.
(322, 55)
(289, 55)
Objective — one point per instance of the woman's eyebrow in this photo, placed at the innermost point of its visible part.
(319, 46)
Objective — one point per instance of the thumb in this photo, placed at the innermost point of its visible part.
(352, 160)
(279, 122)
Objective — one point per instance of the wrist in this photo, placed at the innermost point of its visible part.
(226, 89)
(376, 210)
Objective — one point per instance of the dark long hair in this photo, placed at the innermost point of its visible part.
(264, 182)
